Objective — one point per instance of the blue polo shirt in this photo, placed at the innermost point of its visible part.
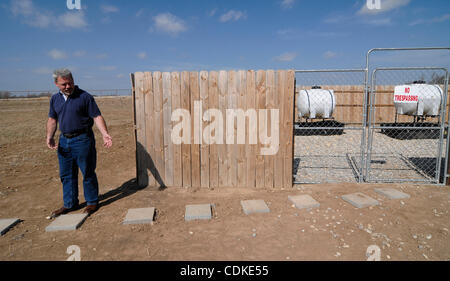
(76, 112)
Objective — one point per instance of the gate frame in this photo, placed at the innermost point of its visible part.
(366, 92)
(371, 128)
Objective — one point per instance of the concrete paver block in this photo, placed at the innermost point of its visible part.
(6, 224)
(303, 201)
(67, 222)
(198, 212)
(360, 200)
(139, 216)
(254, 206)
(391, 193)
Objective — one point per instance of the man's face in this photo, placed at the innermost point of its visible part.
(65, 85)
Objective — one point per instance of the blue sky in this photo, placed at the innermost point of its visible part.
(106, 40)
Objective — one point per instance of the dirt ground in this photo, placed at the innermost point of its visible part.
(409, 229)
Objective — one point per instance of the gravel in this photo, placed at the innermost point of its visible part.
(334, 158)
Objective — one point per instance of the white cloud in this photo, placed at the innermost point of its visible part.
(57, 54)
(385, 6)
(29, 14)
(33, 16)
(287, 4)
(140, 12)
(142, 55)
(329, 54)
(233, 15)
(433, 20)
(73, 19)
(108, 68)
(22, 7)
(40, 20)
(168, 23)
(109, 9)
(212, 12)
(286, 57)
(120, 75)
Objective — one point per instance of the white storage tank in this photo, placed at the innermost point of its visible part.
(316, 103)
(418, 99)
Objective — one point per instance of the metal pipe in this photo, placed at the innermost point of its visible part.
(446, 171)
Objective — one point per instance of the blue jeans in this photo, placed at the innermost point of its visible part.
(74, 153)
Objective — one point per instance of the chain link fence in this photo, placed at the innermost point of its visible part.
(329, 125)
(406, 129)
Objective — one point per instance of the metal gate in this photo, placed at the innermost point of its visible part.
(406, 141)
(365, 138)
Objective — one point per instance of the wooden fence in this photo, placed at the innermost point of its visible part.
(162, 162)
(350, 104)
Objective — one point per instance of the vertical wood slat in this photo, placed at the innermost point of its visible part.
(289, 141)
(159, 125)
(280, 104)
(222, 151)
(231, 129)
(176, 104)
(269, 159)
(261, 104)
(186, 148)
(204, 147)
(133, 97)
(167, 127)
(241, 104)
(213, 102)
(149, 141)
(252, 129)
(195, 132)
(140, 129)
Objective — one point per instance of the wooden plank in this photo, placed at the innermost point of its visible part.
(222, 152)
(204, 147)
(167, 125)
(133, 99)
(269, 159)
(195, 130)
(185, 147)
(252, 129)
(280, 104)
(176, 104)
(231, 128)
(289, 141)
(159, 126)
(261, 104)
(241, 159)
(142, 177)
(214, 147)
(148, 99)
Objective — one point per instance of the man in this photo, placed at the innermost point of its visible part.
(76, 111)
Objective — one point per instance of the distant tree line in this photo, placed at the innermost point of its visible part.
(9, 95)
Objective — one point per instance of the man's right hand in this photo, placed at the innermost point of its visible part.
(51, 143)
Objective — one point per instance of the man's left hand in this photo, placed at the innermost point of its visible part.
(107, 141)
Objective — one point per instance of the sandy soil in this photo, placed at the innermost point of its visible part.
(410, 229)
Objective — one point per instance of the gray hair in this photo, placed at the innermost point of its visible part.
(63, 73)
